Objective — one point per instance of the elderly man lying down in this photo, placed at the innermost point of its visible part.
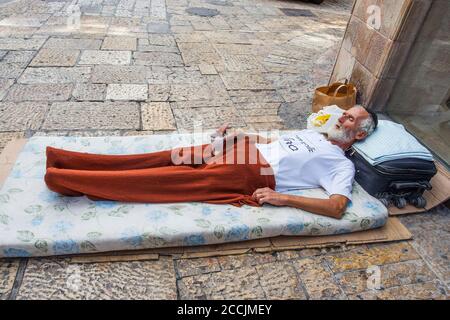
(240, 169)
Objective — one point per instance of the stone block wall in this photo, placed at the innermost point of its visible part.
(372, 55)
(424, 82)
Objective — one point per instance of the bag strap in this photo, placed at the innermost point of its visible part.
(339, 88)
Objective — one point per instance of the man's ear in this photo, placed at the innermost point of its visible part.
(361, 135)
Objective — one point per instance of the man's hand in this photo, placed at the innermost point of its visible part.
(220, 132)
(267, 195)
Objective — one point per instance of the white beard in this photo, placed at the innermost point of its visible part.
(339, 135)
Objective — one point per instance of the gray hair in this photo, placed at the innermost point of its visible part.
(367, 125)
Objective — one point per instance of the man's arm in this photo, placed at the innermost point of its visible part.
(231, 134)
(333, 207)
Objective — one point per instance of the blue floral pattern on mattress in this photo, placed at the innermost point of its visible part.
(35, 221)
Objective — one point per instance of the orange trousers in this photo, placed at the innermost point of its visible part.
(155, 178)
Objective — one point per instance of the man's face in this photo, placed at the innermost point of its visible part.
(347, 127)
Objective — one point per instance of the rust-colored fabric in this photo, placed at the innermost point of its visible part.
(154, 178)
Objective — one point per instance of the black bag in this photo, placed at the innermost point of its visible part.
(395, 182)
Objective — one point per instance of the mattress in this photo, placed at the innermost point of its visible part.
(35, 221)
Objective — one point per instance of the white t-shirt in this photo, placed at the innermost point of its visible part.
(305, 160)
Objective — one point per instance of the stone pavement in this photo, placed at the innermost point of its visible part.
(127, 67)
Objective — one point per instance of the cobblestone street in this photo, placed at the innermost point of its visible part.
(132, 67)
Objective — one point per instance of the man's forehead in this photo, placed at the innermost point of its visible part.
(358, 112)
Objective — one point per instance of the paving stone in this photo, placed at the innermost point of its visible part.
(421, 291)
(292, 85)
(229, 37)
(10, 70)
(126, 23)
(119, 43)
(201, 104)
(2, 54)
(157, 116)
(202, 12)
(93, 24)
(191, 37)
(55, 58)
(8, 271)
(207, 69)
(245, 81)
(210, 117)
(416, 221)
(105, 57)
(119, 74)
(155, 48)
(20, 58)
(242, 62)
(295, 114)
(289, 255)
(260, 115)
(280, 281)
(158, 75)
(441, 215)
(197, 47)
(155, 27)
(39, 92)
(57, 279)
(6, 137)
(312, 252)
(183, 92)
(377, 255)
(318, 279)
(220, 23)
(137, 92)
(21, 116)
(67, 43)
(255, 96)
(89, 92)
(157, 59)
(220, 3)
(184, 76)
(239, 49)
(161, 40)
(217, 88)
(241, 283)
(5, 84)
(261, 118)
(158, 92)
(391, 275)
(21, 44)
(55, 75)
(199, 53)
(92, 115)
(34, 20)
(196, 266)
(17, 32)
(182, 29)
(432, 242)
(202, 25)
(251, 108)
(245, 260)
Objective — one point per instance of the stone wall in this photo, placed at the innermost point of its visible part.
(424, 82)
(373, 50)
